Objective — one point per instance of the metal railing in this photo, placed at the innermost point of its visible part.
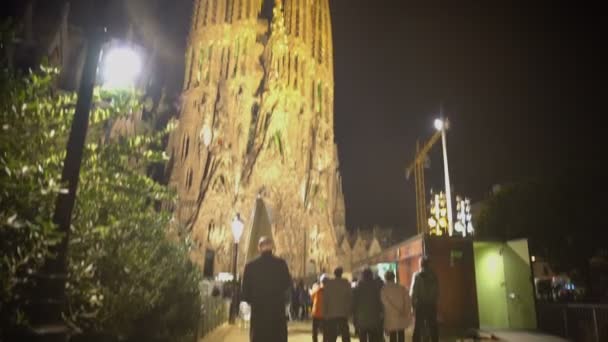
(214, 312)
(576, 322)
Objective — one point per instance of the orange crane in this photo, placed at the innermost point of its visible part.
(417, 165)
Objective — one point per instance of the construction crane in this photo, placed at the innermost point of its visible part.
(417, 165)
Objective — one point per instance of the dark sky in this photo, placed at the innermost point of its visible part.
(523, 86)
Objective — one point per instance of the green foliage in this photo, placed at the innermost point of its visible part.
(126, 277)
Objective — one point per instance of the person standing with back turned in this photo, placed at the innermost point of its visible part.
(396, 302)
(425, 294)
(367, 308)
(337, 307)
(266, 281)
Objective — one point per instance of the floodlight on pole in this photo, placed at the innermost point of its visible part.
(442, 124)
(121, 67)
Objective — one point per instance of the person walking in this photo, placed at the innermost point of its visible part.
(299, 301)
(266, 281)
(367, 308)
(304, 300)
(316, 295)
(425, 294)
(396, 303)
(337, 307)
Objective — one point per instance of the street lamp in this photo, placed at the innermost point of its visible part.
(442, 125)
(237, 232)
(121, 66)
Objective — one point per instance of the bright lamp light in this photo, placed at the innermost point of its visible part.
(237, 228)
(121, 67)
(438, 124)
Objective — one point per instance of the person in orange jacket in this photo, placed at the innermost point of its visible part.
(316, 294)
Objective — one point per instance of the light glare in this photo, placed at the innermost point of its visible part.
(438, 124)
(122, 66)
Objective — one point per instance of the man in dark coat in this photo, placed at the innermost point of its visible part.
(266, 281)
(424, 294)
(367, 308)
(337, 308)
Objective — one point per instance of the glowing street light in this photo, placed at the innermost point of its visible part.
(237, 232)
(237, 228)
(442, 125)
(121, 67)
(438, 124)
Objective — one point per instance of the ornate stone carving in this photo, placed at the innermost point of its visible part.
(258, 102)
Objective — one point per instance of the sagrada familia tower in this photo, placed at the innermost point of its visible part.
(257, 124)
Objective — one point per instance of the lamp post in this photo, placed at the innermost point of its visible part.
(237, 232)
(442, 125)
(54, 274)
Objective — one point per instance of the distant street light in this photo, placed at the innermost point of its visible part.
(237, 232)
(442, 125)
(237, 228)
(438, 124)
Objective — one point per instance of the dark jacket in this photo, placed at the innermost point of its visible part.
(337, 301)
(367, 305)
(425, 289)
(266, 281)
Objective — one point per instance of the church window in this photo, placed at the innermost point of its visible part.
(304, 18)
(209, 55)
(327, 103)
(229, 9)
(296, 73)
(189, 67)
(227, 73)
(205, 12)
(222, 61)
(189, 177)
(320, 30)
(196, 14)
(297, 20)
(214, 12)
(185, 147)
(201, 61)
(287, 15)
(210, 230)
(236, 58)
(312, 95)
(319, 96)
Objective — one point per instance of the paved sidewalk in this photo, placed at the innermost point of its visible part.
(298, 332)
(301, 332)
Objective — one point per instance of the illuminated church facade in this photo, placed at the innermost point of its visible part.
(257, 121)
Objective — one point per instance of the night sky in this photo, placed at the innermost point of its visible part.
(523, 87)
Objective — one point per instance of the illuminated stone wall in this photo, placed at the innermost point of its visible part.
(257, 118)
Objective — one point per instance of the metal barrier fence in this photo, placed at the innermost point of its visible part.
(214, 312)
(576, 322)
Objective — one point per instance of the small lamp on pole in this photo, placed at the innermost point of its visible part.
(237, 232)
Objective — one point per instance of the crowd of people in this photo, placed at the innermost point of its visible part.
(377, 306)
